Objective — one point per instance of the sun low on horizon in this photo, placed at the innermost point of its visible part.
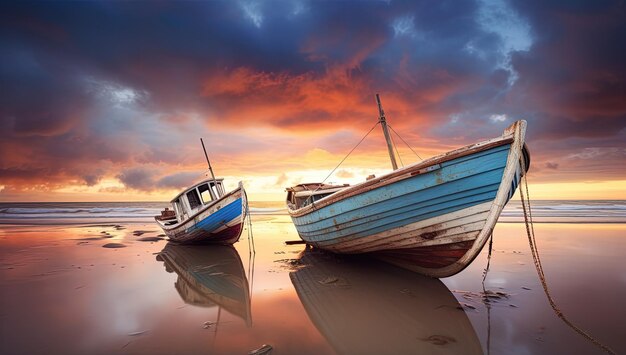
(107, 101)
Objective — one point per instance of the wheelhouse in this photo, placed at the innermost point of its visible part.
(192, 200)
(305, 194)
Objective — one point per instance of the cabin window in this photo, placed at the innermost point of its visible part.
(216, 191)
(307, 200)
(205, 194)
(220, 189)
(302, 201)
(319, 197)
(178, 209)
(193, 198)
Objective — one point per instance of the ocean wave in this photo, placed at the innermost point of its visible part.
(63, 211)
(134, 212)
(542, 211)
(259, 210)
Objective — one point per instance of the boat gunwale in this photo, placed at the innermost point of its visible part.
(400, 196)
(401, 174)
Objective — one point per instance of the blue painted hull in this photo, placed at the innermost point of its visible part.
(219, 223)
(458, 184)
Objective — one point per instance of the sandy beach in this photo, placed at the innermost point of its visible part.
(122, 288)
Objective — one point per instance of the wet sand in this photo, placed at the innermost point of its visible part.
(107, 289)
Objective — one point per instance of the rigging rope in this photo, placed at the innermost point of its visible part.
(530, 231)
(346, 157)
(407, 144)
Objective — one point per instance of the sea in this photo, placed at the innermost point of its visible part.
(41, 213)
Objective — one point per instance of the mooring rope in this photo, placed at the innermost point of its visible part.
(485, 299)
(249, 218)
(530, 231)
(347, 155)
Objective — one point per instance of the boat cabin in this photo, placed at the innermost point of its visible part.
(193, 199)
(305, 194)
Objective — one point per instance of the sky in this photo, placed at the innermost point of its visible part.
(108, 100)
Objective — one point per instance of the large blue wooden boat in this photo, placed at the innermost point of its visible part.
(432, 217)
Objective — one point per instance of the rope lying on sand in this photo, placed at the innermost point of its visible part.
(530, 231)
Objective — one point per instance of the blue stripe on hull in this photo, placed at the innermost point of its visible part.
(458, 184)
(219, 217)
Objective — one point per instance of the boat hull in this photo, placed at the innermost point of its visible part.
(433, 217)
(220, 223)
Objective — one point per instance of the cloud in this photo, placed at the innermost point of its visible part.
(279, 88)
(94, 178)
(252, 11)
(404, 26)
(139, 178)
(178, 180)
(345, 174)
(498, 118)
(553, 166)
(281, 180)
(514, 32)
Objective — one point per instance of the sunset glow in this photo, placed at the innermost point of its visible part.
(282, 91)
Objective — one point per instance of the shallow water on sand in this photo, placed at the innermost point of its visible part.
(62, 291)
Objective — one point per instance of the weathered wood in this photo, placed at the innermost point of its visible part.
(402, 173)
(383, 124)
(436, 215)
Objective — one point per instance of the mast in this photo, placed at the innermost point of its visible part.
(383, 124)
(210, 169)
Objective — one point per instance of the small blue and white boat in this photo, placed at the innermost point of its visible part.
(205, 213)
(432, 217)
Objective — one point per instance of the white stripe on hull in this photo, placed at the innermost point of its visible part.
(432, 231)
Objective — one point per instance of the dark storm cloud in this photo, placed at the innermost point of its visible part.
(149, 179)
(574, 78)
(138, 178)
(111, 84)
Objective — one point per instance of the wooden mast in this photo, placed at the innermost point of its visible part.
(210, 169)
(383, 124)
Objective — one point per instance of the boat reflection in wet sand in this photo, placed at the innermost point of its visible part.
(209, 275)
(363, 306)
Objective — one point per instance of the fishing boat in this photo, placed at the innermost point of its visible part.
(364, 306)
(205, 213)
(209, 276)
(432, 217)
